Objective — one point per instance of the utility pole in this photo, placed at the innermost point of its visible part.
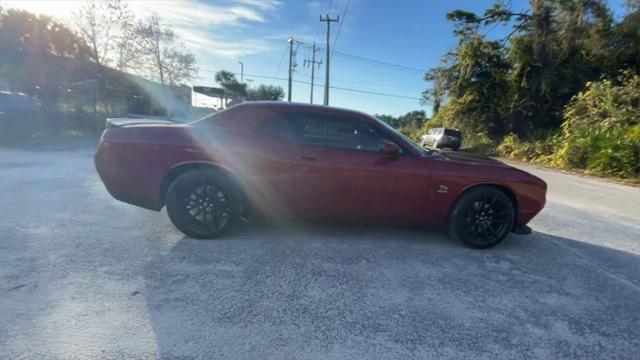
(328, 20)
(291, 41)
(313, 64)
(241, 72)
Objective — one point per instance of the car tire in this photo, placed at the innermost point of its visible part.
(455, 148)
(482, 217)
(204, 204)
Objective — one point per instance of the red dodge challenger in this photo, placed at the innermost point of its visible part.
(286, 160)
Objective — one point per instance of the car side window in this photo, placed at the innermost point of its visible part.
(352, 134)
(308, 128)
(314, 129)
(277, 127)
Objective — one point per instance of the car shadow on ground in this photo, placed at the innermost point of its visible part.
(331, 291)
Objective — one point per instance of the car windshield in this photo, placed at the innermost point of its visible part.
(407, 140)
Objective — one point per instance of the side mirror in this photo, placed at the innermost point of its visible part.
(390, 149)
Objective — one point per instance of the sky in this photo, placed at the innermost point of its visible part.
(410, 34)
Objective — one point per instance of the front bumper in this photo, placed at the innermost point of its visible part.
(522, 230)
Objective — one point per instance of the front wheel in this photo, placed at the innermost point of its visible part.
(203, 204)
(482, 217)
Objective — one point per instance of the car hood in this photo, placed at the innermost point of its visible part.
(471, 158)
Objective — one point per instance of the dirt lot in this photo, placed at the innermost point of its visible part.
(84, 276)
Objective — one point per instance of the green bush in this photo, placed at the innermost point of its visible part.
(540, 150)
(479, 142)
(601, 132)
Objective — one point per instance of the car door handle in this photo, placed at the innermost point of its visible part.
(192, 150)
(308, 158)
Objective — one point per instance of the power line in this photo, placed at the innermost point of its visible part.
(375, 93)
(318, 85)
(369, 60)
(377, 62)
(373, 84)
(344, 14)
(284, 53)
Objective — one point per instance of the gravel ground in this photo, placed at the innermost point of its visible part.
(83, 276)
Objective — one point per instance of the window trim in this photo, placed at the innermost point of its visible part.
(384, 136)
(287, 115)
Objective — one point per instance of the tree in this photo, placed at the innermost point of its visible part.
(166, 58)
(126, 49)
(474, 80)
(42, 58)
(389, 119)
(413, 118)
(522, 82)
(102, 24)
(232, 87)
(266, 92)
(625, 44)
(410, 124)
(180, 65)
(35, 49)
(39, 35)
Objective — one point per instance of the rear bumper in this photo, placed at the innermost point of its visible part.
(117, 184)
(448, 143)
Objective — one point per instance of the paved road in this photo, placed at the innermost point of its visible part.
(84, 276)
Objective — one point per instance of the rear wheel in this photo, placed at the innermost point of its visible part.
(203, 204)
(482, 217)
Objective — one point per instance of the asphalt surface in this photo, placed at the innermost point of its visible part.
(83, 276)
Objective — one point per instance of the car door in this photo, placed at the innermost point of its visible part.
(266, 165)
(317, 190)
(372, 186)
(340, 173)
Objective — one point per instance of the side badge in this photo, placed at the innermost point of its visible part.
(443, 189)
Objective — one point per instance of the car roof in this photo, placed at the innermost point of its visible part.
(283, 106)
(249, 114)
(235, 116)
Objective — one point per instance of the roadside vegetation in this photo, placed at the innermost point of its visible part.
(60, 81)
(562, 89)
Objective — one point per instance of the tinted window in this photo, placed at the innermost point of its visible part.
(277, 127)
(308, 128)
(346, 133)
(318, 130)
(451, 132)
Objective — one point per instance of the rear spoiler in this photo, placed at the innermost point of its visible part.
(124, 121)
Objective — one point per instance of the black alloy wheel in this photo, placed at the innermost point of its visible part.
(482, 217)
(203, 204)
